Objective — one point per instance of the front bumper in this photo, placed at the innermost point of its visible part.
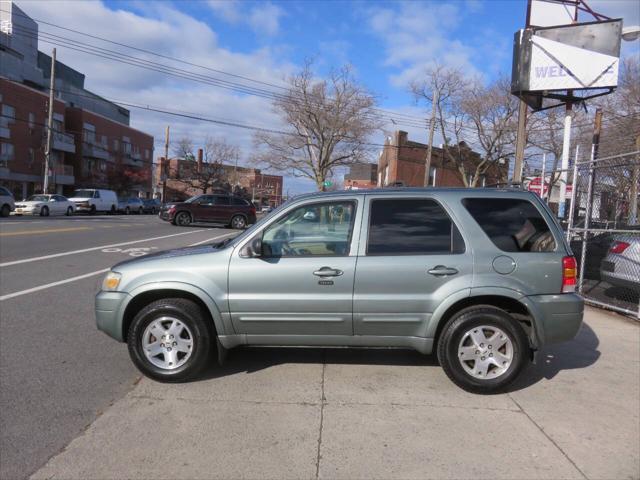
(109, 310)
(25, 211)
(558, 317)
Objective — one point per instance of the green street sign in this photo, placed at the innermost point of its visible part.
(327, 183)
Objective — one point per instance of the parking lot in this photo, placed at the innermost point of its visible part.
(73, 406)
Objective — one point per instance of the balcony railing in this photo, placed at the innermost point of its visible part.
(62, 169)
(95, 151)
(64, 142)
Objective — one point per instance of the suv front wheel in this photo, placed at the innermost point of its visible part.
(483, 349)
(169, 340)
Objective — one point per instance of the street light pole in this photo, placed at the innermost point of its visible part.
(47, 152)
(566, 145)
(432, 127)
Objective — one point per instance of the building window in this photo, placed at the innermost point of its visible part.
(116, 145)
(103, 166)
(7, 153)
(89, 133)
(8, 115)
(146, 154)
(32, 119)
(104, 141)
(32, 157)
(432, 176)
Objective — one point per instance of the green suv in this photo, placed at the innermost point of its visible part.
(483, 277)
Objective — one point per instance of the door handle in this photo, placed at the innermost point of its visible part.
(328, 272)
(442, 271)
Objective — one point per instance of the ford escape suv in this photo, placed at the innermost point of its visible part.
(482, 277)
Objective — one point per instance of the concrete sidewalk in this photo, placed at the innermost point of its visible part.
(290, 413)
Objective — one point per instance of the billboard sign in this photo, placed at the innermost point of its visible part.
(548, 13)
(569, 57)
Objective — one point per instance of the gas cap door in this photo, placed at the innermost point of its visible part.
(504, 264)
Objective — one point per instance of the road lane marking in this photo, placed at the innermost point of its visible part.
(40, 232)
(84, 250)
(212, 239)
(53, 284)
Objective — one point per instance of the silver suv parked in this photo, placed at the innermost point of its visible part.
(482, 277)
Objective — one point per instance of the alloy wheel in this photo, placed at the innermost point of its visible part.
(238, 222)
(183, 218)
(485, 352)
(167, 343)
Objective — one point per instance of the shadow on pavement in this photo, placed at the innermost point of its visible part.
(580, 352)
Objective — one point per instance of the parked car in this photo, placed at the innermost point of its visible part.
(228, 210)
(151, 205)
(621, 266)
(45, 205)
(131, 205)
(7, 203)
(92, 200)
(482, 277)
(266, 209)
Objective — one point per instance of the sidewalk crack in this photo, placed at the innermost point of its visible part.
(322, 404)
(548, 437)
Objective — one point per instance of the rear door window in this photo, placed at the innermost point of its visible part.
(222, 200)
(411, 226)
(513, 225)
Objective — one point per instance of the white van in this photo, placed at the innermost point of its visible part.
(94, 200)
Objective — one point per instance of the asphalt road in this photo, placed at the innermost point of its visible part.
(57, 372)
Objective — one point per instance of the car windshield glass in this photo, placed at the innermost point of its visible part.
(38, 198)
(83, 193)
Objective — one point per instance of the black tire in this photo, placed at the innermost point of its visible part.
(5, 211)
(463, 322)
(113, 210)
(44, 212)
(69, 211)
(127, 211)
(192, 316)
(92, 211)
(239, 222)
(182, 219)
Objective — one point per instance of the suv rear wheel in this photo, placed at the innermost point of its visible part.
(482, 349)
(169, 340)
(182, 218)
(238, 222)
(6, 210)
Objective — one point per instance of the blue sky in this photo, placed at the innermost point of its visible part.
(387, 43)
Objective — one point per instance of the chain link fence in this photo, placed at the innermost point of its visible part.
(601, 220)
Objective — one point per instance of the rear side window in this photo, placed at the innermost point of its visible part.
(222, 200)
(239, 201)
(411, 226)
(513, 225)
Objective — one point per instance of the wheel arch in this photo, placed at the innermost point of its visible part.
(146, 294)
(508, 300)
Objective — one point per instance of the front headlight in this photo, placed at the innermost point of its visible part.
(111, 282)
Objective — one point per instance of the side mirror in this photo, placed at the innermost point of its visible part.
(253, 249)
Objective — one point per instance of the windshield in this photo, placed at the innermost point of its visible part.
(83, 193)
(38, 198)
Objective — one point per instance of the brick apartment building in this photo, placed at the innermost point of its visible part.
(361, 175)
(182, 181)
(402, 162)
(93, 144)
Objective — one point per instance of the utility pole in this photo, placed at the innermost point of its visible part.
(432, 127)
(165, 164)
(520, 143)
(564, 168)
(633, 191)
(47, 152)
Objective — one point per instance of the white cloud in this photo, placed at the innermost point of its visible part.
(168, 31)
(263, 17)
(416, 35)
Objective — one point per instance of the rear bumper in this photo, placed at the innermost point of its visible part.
(558, 317)
(109, 307)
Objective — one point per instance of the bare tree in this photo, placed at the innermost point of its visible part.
(184, 148)
(211, 173)
(329, 123)
(469, 113)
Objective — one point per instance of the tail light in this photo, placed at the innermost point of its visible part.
(569, 275)
(619, 247)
